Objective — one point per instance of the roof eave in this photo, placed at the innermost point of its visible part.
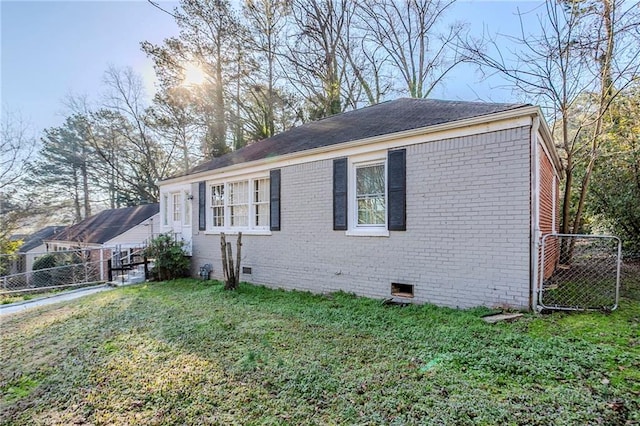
(481, 119)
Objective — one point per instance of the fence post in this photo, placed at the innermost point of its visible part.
(109, 272)
(102, 263)
(146, 268)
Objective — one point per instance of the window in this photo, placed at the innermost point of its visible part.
(261, 202)
(165, 210)
(175, 197)
(370, 195)
(217, 204)
(241, 204)
(238, 204)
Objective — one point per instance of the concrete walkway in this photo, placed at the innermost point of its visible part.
(12, 308)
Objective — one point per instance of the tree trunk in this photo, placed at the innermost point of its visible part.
(231, 281)
(225, 265)
(85, 188)
(76, 196)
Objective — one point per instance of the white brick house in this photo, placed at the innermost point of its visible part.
(424, 201)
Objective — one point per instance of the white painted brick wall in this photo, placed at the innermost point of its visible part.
(467, 238)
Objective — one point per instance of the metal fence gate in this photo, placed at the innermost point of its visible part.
(579, 272)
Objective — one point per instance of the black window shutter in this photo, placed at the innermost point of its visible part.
(397, 190)
(274, 199)
(340, 194)
(202, 206)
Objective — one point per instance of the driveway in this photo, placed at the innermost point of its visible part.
(62, 297)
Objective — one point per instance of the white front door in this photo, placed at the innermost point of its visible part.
(178, 215)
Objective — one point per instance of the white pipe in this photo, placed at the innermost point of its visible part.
(535, 209)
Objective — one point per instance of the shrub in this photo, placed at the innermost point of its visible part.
(44, 278)
(169, 260)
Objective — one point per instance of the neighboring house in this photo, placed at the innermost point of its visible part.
(416, 200)
(34, 245)
(116, 232)
(127, 227)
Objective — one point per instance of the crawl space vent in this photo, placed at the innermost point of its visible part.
(401, 290)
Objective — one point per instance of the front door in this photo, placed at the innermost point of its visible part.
(180, 217)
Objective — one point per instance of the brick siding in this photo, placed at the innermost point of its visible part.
(547, 183)
(467, 237)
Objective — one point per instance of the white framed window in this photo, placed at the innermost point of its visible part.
(217, 205)
(370, 185)
(239, 205)
(367, 199)
(176, 207)
(261, 202)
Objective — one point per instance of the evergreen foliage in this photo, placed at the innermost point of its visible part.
(44, 278)
(169, 260)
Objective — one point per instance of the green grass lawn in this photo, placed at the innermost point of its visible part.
(187, 352)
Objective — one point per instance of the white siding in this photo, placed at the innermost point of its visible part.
(138, 234)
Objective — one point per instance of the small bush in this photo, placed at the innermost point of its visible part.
(44, 262)
(44, 278)
(170, 261)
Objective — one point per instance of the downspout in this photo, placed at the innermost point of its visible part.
(535, 214)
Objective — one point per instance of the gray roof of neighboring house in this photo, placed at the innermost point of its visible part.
(37, 238)
(384, 118)
(107, 224)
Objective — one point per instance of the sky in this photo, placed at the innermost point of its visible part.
(52, 49)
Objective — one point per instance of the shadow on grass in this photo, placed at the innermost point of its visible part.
(189, 352)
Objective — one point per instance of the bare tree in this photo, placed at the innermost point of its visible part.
(208, 38)
(314, 56)
(16, 147)
(407, 31)
(174, 119)
(146, 158)
(265, 21)
(582, 56)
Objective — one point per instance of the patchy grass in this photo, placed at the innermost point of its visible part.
(7, 298)
(187, 352)
(584, 294)
(591, 291)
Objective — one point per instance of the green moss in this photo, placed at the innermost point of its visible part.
(20, 388)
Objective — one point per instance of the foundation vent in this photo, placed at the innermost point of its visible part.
(401, 290)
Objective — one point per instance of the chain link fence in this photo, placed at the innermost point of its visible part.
(57, 270)
(579, 272)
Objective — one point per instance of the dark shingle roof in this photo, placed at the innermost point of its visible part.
(384, 118)
(107, 224)
(37, 238)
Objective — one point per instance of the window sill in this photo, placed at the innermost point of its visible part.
(236, 231)
(367, 233)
